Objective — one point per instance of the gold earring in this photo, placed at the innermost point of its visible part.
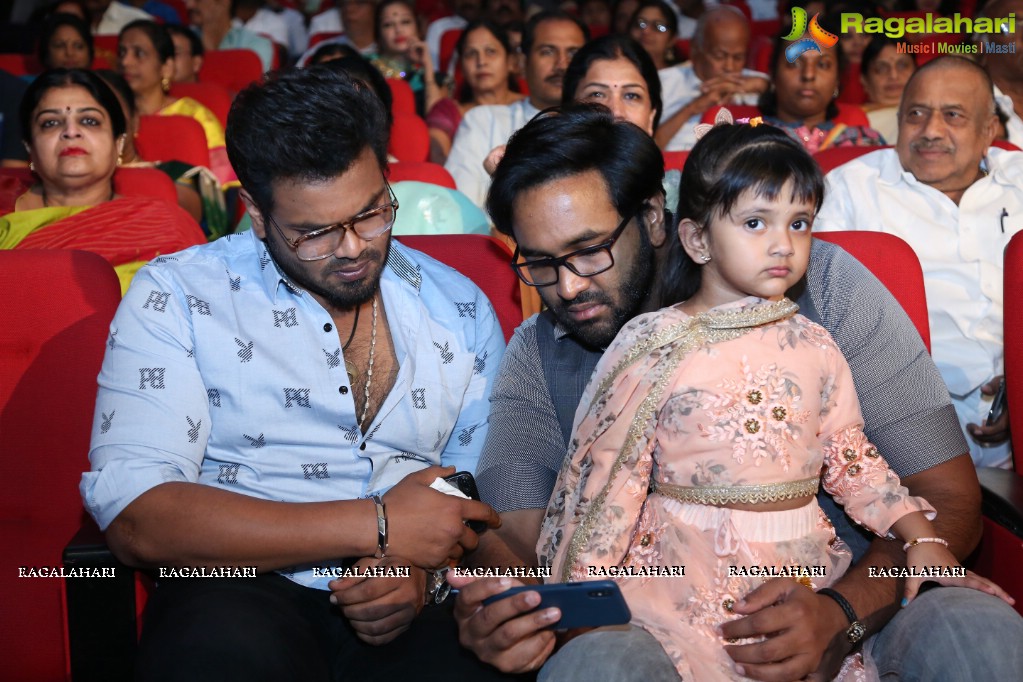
(165, 84)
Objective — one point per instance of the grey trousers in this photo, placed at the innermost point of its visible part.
(948, 634)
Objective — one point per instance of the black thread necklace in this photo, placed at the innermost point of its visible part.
(349, 366)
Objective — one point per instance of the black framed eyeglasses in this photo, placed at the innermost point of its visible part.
(643, 24)
(586, 262)
(321, 243)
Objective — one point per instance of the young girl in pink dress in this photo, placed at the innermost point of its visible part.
(708, 426)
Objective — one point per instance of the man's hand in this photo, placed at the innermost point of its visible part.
(426, 526)
(998, 430)
(380, 609)
(797, 625)
(503, 634)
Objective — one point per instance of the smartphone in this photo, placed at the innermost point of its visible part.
(464, 481)
(588, 604)
(998, 404)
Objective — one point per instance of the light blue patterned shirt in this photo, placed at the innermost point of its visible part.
(219, 371)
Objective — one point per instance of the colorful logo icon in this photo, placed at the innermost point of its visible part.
(818, 38)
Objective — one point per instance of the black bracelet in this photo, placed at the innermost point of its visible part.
(841, 601)
(381, 527)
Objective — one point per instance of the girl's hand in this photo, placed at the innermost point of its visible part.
(933, 556)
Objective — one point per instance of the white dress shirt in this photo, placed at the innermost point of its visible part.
(960, 249)
(679, 86)
(266, 23)
(482, 129)
(117, 16)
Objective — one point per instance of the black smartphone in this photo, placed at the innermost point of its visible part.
(588, 604)
(464, 481)
(998, 405)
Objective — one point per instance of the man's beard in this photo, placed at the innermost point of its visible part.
(634, 288)
(344, 296)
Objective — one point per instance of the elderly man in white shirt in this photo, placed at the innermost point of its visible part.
(714, 75)
(957, 203)
(549, 41)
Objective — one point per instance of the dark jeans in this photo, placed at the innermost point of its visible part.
(269, 628)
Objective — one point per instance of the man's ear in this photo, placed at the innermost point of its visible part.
(258, 226)
(197, 64)
(657, 224)
(694, 240)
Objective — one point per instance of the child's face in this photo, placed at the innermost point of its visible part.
(761, 248)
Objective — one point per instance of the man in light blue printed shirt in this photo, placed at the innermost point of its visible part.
(282, 400)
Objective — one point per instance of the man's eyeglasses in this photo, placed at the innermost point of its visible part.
(586, 262)
(643, 24)
(321, 243)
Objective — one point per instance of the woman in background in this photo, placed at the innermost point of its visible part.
(403, 54)
(145, 57)
(75, 131)
(197, 188)
(655, 27)
(802, 101)
(487, 63)
(65, 43)
(885, 72)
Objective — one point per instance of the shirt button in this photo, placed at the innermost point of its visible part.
(328, 327)
(343, 390)
(362, 447)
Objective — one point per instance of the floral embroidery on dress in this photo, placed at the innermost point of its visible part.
(758, 414)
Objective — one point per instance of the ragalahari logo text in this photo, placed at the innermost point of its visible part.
(817, 39)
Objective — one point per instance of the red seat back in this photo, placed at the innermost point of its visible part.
(410, 138)
(1012, 312)
(421, 171)
(403, 99)
(675, 160)
(486, 262)
(145, 182)
(213, 96)
(851, 115)
(448, 42)
(231, 69)
(894, 262)
(129, 182)
(833, 157)
(59, 305)
(105, 48)
(172, 138)
(19, 64)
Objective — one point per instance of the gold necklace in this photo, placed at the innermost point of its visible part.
(369, 371)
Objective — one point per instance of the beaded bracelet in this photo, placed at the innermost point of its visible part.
(381, 527)
(914, 543)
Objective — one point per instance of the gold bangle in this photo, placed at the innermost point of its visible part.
(918, 541)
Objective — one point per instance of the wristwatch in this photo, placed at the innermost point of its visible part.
(437, 587)
(854, 633)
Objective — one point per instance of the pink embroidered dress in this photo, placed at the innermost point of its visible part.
(743, 403)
